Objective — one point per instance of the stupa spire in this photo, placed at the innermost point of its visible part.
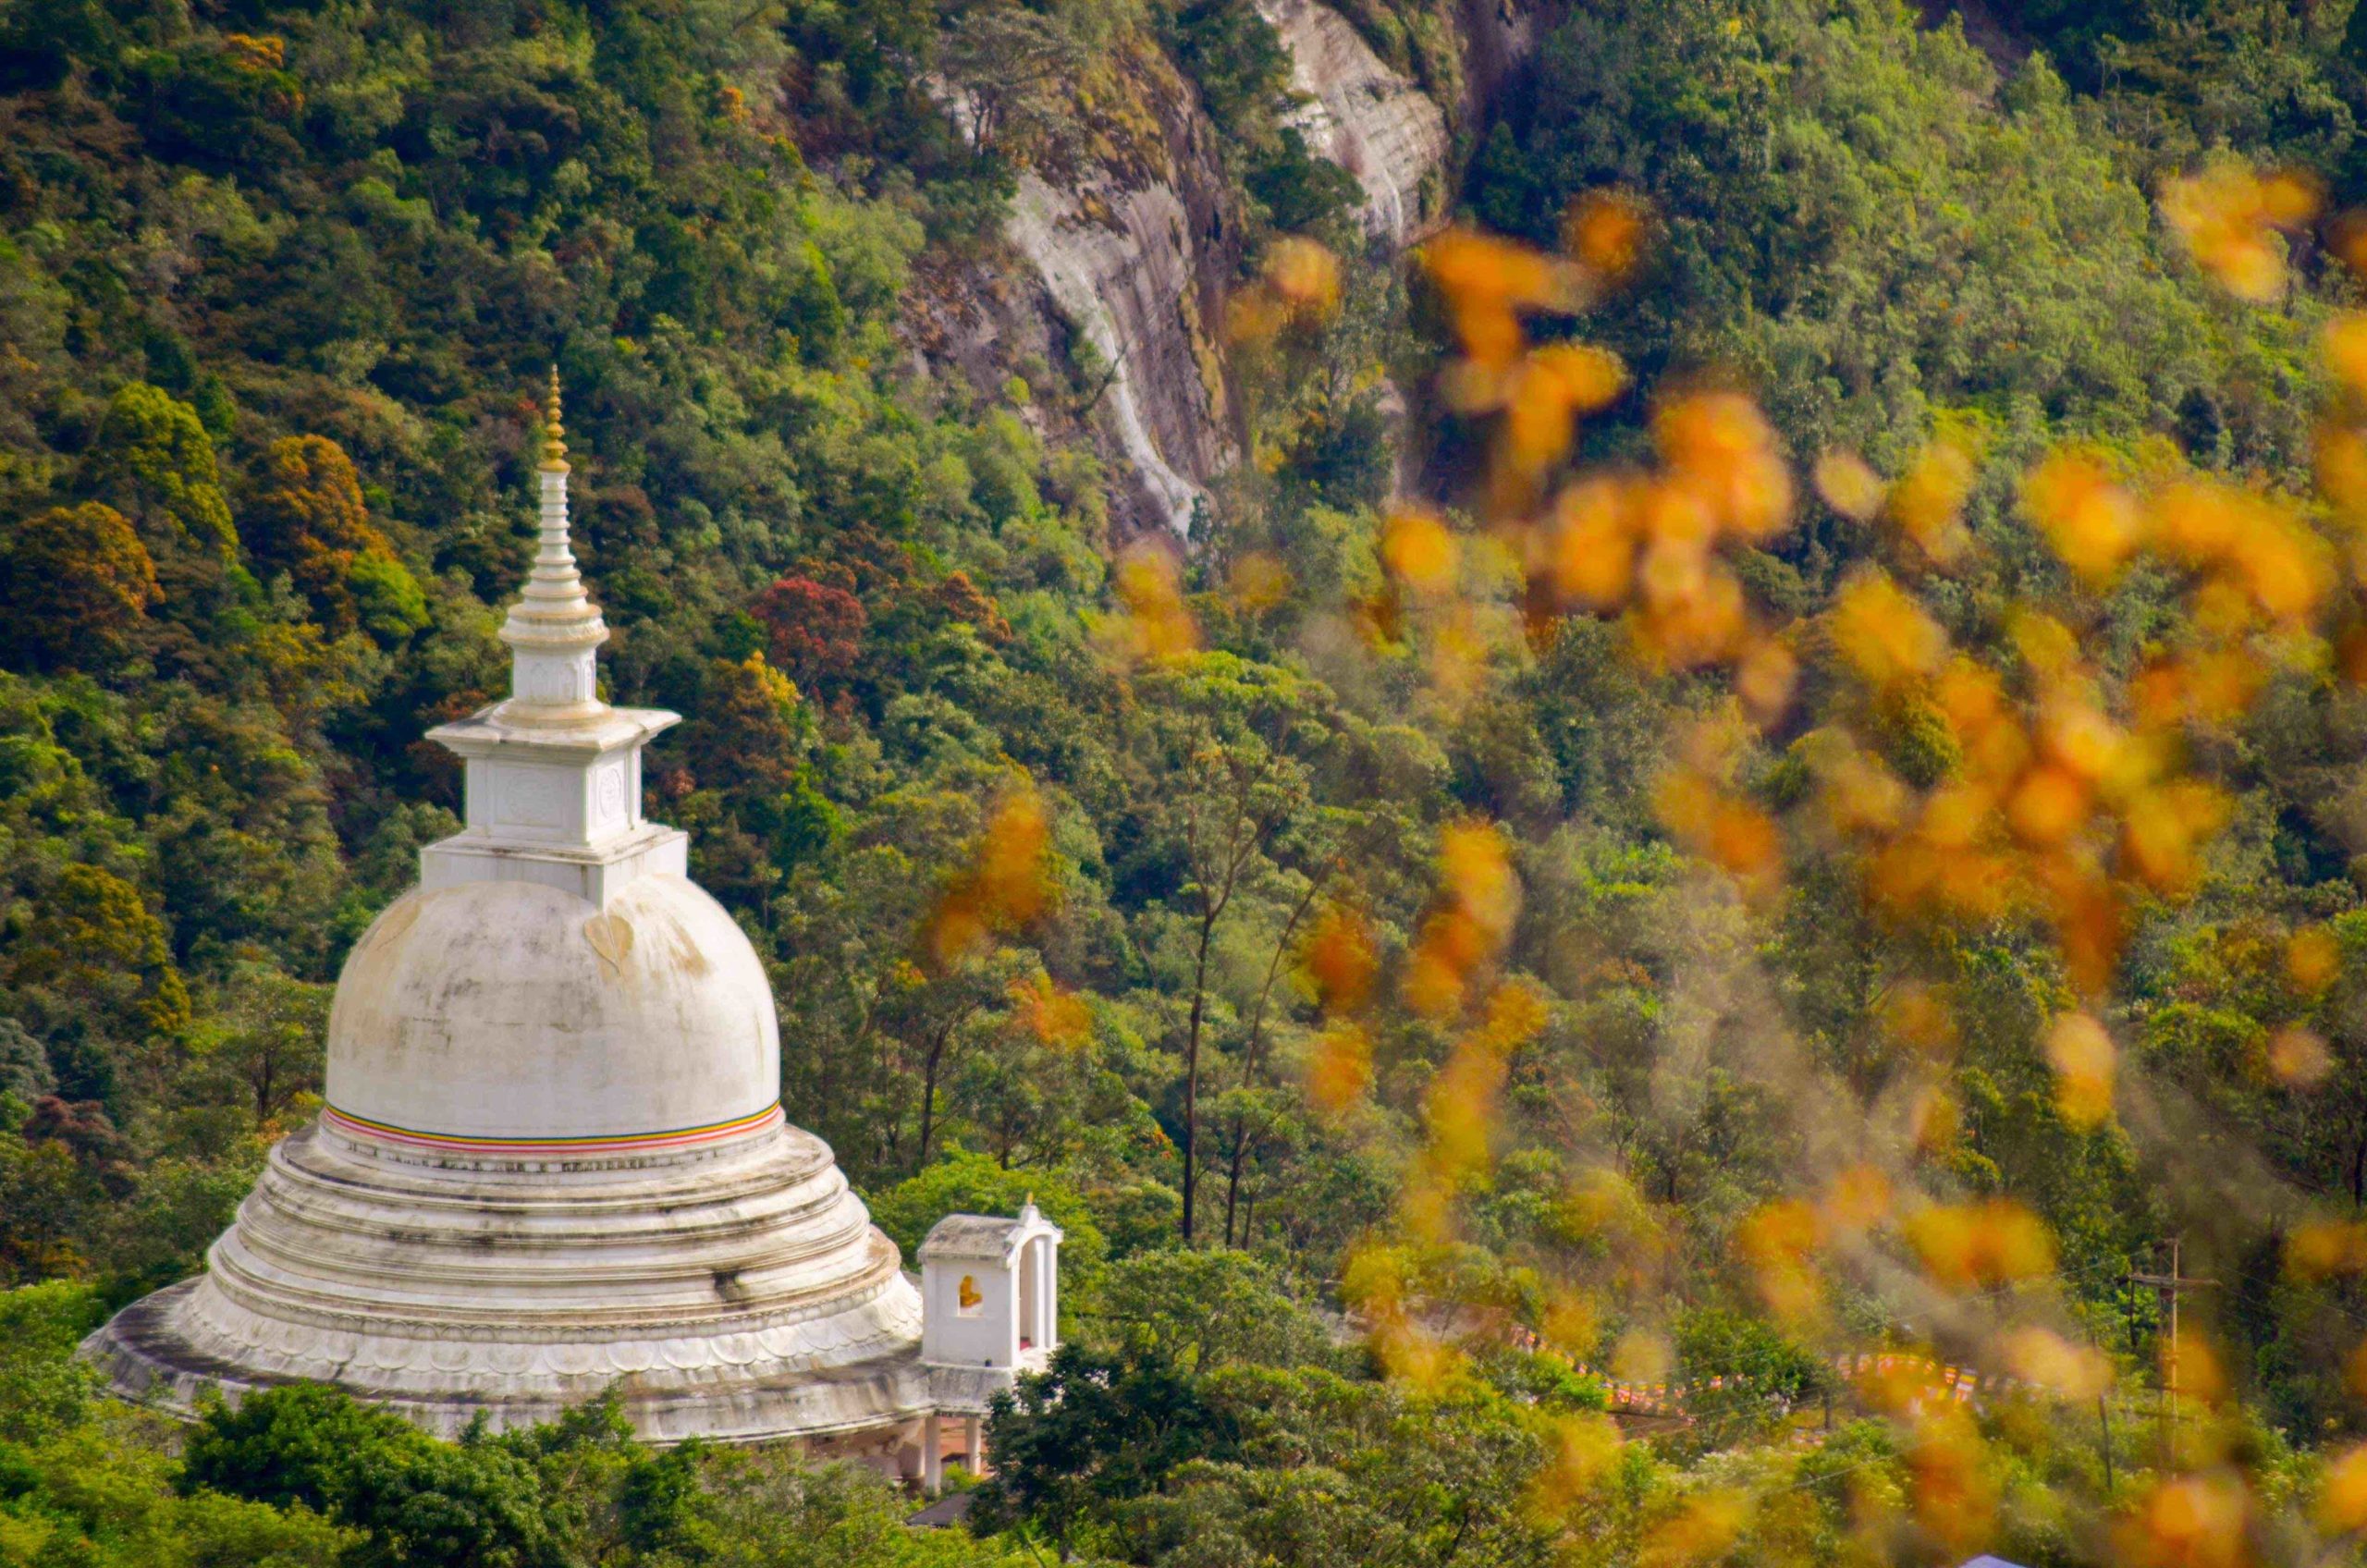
(553, 788)
(552, 1161)
(554, 432)
(554, 630)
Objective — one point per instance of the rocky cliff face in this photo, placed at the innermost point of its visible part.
(1112, 289)
(1128, 285)
(1364, 117)
(1497, 36)
(1121, 273)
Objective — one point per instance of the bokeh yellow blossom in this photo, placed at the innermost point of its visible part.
(2199, 1521)
(1258, 581)
(2322, 1249)
(2298, 1057)
(2084, 1059)
(1339, 1071)
(1928, 501)
(2342, 1494)
(1152, 621)
(1604, 231)
(1993, 1242)
(2312, 958)
(1297, 286)
(1006, 884)
(1702, 1531)
(1721, 448)
(1883, 632)
(2092, 522)
(2228, 215)
(1419, 551)
(1488, 283)
(1469, 921)
(1054, 1015)
(1849, 485)
(2044, 1357)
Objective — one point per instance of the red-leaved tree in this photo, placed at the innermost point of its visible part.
(813, 631)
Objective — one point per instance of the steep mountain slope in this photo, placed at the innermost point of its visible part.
(1133, 254)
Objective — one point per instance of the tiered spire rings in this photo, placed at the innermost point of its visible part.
(553, 629)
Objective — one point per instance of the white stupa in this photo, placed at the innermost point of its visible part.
(553, 1158)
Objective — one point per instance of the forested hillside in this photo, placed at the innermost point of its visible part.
(1760, 758)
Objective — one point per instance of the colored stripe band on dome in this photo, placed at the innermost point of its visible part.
(628, 1143)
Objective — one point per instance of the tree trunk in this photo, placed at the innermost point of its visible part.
(928, 1093)
(1249, 1057)
(1233, 1186)
(1192, 1064)
(928, 1112)
(1244, 837)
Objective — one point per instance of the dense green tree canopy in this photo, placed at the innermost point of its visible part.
(280, 285)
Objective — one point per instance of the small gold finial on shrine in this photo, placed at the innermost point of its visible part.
(554, 434)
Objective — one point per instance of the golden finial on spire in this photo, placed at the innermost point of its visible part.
(554, 434)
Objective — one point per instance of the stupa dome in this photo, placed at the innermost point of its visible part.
(517, 1010)
(553, 1159)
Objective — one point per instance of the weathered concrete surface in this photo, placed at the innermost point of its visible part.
(449, 1265)
(511, 1010)
(553, 1161)
(736, 1293)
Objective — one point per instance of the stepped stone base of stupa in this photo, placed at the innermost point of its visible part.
(735, 1292)
(552, 1163)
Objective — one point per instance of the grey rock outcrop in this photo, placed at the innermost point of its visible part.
(1366, 118)
(1127, 279)
(1127, 260)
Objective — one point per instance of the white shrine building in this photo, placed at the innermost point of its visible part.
(553, 1158)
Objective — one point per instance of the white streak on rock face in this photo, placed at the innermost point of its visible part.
(1127, 285)
(1362, 115)
(1127, 266)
